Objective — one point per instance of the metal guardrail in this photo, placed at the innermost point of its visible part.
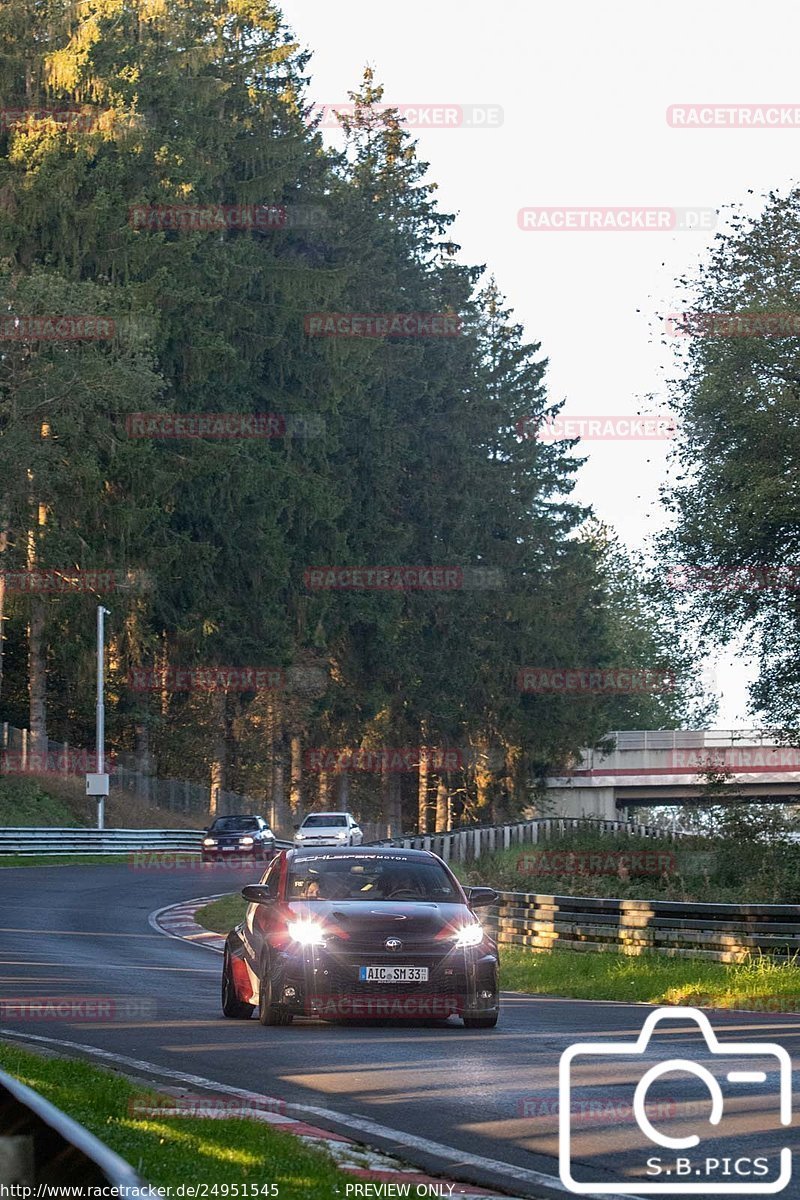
(31, 840)
(723, 932)
(467, 845)
(39, 1144)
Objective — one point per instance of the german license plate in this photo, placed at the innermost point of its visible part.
(393, 974)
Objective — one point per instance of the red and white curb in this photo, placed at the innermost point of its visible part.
(177, 920)
(358, 1160)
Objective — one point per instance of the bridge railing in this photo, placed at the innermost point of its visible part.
(721, 932)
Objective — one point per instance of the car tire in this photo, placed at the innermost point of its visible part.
(481, 1022)
(232, 1006)
(269, 1013)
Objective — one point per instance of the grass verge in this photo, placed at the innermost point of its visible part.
(62, 860)
(168, 1151)
(760, 983)
(221, 915)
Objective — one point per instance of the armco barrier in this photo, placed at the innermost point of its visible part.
(724, 932)
(41, 1145)
(28, 840)
(466, 845)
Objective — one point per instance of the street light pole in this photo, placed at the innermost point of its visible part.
(101, 712)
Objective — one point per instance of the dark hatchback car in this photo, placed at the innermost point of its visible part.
(238, 835)
(361, 933)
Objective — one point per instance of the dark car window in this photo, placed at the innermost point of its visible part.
(272, 877)
(346, 877)
(234, 825)
(323, 821)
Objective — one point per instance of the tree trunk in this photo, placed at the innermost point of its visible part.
(442, 806)
(422, 790)
(219, 761)
(3, 547)
(280, 817)
(142, 758)
(483, 779)
(395, 806)
(296, 789)
(37, 676)
(342, 790)
(324, 788)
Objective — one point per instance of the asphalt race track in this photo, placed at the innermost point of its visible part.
(485, 1095)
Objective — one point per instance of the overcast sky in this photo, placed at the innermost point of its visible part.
(584, 88)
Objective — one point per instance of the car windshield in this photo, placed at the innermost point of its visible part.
(234, 825)
(325, 821)
(369, 877)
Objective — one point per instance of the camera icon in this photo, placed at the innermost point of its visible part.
(684, 1175)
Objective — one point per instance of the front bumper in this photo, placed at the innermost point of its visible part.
(316, 982)
(219, 853)
(319, 843)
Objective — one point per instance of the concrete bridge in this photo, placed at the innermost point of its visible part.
(671, 766)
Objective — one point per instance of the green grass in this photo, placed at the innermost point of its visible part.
(760, 982)
(221, 915)
(24, 801)
(168, 1151)
(61, 860)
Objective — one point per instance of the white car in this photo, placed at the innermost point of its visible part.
(329, 829)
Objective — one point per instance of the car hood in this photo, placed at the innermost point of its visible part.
(326, 830)
(403, 919)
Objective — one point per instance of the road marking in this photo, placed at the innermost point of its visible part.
(360, 1124)
(74, 932)
(24, 962)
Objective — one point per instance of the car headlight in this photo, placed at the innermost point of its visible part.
(209, 841)
(245, 841)
(307, 933)
(470, 935)
(341, 835)
(298, 837)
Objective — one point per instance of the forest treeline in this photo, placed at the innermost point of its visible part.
(261, 368)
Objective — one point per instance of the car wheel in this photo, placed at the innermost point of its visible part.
(232, 1006)
(269, 1013)
(481, 1022)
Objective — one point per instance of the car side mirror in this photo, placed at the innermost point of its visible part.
(482, 897)
(295, 827)
(257, 893)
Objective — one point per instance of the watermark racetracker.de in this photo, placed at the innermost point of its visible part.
(601, 428)
(223, 426)
(77, 1008)
(594, 681)
(402, 578)
(622, 863)
(417, 116)
(734, 116)
(616, 219)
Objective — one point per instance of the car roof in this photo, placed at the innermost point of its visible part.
(342, 812)
(239, 817)
(363, 852)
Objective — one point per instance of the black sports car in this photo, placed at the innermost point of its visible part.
(238, 836)
(361, 932)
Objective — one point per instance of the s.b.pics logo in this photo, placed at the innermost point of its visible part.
(676, 1151)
